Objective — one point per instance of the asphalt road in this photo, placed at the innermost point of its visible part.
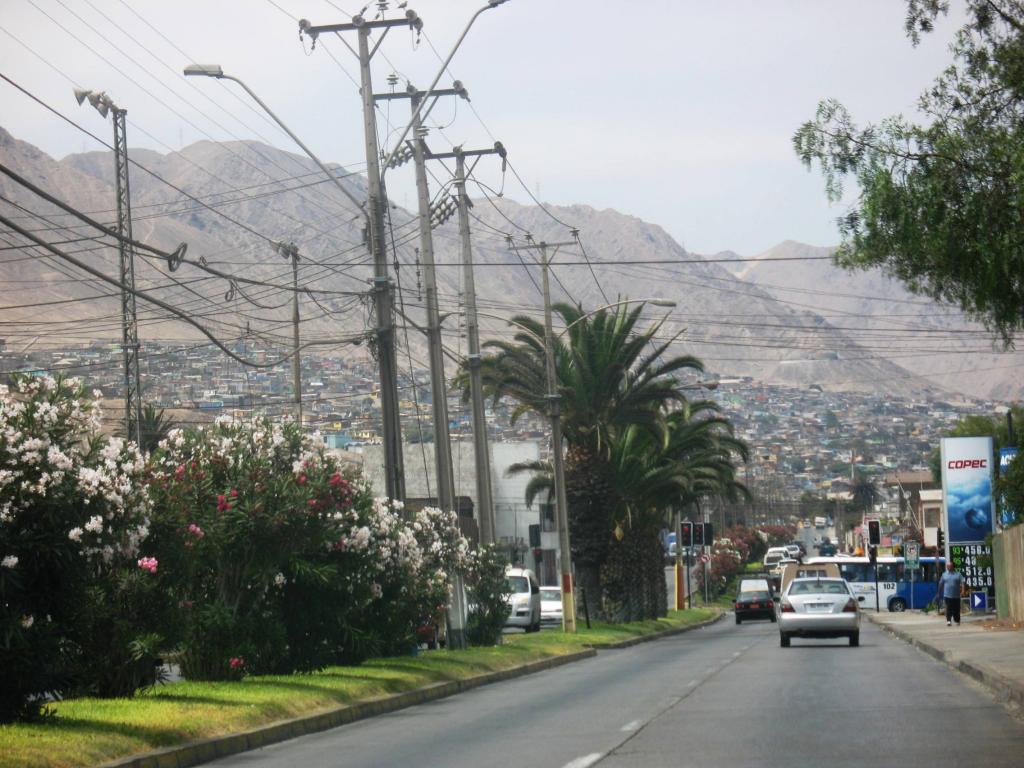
(725, 695)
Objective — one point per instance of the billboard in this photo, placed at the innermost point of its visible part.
(1006, 455)
(968, 505)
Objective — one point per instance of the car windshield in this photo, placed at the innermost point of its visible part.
(753, 596)
(550, 594)
(818, 588)
(517, 584)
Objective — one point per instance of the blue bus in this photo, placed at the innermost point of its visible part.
(898, 587)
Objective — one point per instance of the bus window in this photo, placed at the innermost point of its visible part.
(888, 572)
(854, 571)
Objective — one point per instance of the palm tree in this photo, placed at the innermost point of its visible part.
(610, 377)
(153, 427)
(696, 461)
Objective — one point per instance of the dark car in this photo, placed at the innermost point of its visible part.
(754, 602)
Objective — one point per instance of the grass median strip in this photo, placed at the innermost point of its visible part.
(89, 732)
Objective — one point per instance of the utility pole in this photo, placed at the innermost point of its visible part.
(481, 445)
(129, 319)
(438, 387)
(126, 253)
(394, 472)
(555, 415)
(457, 612)
(481, 452)
(291, 251)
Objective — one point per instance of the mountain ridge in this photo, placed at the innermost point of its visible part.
(738, 327)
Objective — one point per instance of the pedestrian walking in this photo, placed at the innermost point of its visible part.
(951, 585)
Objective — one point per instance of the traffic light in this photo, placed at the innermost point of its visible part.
(709, 535)
(698, 534)
(874, 533)
(686, 535)
(942, 538)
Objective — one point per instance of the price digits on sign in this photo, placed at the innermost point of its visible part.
(965, 560)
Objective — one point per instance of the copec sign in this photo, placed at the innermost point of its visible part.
(968, 505)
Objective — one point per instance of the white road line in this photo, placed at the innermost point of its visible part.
(691, 683)
(583, 762)
(736, 654)
(632, 725)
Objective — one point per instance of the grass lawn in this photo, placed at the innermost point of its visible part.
(89, 732)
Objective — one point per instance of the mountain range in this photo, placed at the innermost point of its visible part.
(787, 316)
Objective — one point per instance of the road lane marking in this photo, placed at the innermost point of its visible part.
(736, 654)
(691, 683)
(632, 725)
(583, 762)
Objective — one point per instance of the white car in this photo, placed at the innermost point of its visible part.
(774, 555)
(523, 600)
(818, 607)
(551, 605)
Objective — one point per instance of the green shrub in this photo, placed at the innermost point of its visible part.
(78, 611)
(281, 562)
(487, 594)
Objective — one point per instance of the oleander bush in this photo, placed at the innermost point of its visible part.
(279, 561)
(235, 548)
(487, 592)
(79, 608)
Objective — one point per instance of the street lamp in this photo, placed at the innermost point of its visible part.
(416, 116)
(655, 301)
(552, 397)
(288, 251)
(215, 71)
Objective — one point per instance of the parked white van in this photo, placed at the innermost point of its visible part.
(523, 600)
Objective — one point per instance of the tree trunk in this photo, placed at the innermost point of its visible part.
(590, 497)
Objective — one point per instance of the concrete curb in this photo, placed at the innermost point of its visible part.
(1005, 689)
(205, 750)
(658, 635)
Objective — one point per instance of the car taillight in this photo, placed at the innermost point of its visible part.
(771, 604)
(738, 606)
(851, 606)
(787, 607)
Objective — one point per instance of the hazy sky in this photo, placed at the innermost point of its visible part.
(680, 112)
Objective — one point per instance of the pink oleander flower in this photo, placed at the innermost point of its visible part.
(234, 493)
(222, 503)
(301, 480)
(195, 530)
(236, 662)
(148, 564)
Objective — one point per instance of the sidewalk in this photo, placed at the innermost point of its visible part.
(991, 654)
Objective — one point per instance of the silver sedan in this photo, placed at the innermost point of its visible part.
(818, 607)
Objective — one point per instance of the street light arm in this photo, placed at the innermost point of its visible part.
(416, 116)
(218, 73)
(656, 301)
